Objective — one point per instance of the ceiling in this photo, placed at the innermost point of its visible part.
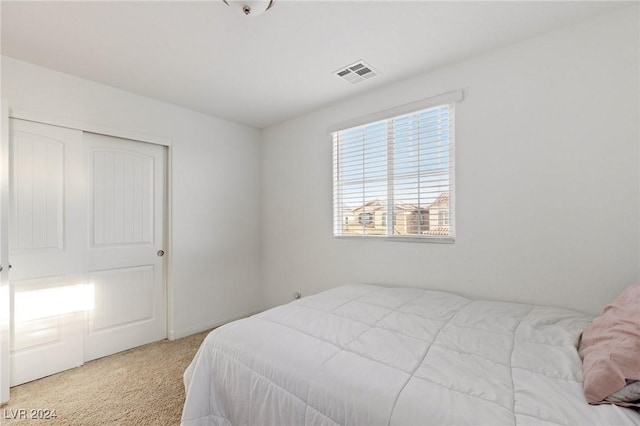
(263, 70)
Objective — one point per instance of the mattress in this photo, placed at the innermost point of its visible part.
(372, 355)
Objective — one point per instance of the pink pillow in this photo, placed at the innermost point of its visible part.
(610, 348)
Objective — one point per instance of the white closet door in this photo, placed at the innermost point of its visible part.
(47, 234)
(86, 234)
(125, 266)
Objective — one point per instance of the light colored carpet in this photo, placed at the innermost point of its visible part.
(141, 386)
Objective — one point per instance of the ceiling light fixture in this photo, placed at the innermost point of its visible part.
(250, 7)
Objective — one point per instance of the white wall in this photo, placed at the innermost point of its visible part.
(547, 178)
(216, 171)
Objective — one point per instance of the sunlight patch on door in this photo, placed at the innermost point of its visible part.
(52, 302)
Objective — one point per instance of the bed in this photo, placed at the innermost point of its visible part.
(372, 355)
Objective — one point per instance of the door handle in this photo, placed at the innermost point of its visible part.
(160, 253)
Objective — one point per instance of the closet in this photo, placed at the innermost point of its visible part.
(86, 246)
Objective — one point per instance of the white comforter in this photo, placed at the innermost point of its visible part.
(370, 355)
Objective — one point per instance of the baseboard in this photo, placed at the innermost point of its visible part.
(173, 335)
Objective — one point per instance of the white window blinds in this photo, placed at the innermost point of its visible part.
(394, 177)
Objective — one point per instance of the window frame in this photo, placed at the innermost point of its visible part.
(450, 98)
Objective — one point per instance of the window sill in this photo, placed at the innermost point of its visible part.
(397, 238)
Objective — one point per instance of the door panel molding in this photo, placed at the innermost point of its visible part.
(38, 196)
(122, 198)
(129, 302)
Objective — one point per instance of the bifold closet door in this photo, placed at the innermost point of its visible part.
(46, 249)
(125, 257)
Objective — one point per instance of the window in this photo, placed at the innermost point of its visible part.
(365, 218)
(401, 167)
(443, 217)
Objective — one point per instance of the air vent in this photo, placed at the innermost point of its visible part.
(355, 73)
